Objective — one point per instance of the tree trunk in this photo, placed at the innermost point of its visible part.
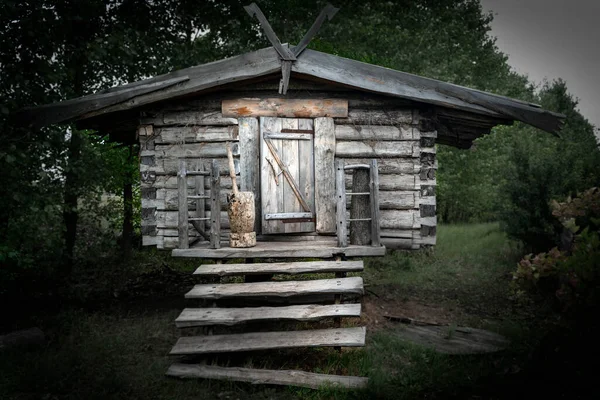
(73, 173)
(127, 232)
(70, 213)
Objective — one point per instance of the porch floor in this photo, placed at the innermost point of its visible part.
(277, 249)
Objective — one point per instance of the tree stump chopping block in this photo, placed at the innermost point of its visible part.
(240, 210)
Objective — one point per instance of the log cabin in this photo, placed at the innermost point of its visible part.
(310, 113)
(340, 157)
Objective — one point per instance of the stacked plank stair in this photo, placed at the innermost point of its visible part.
(303, 301)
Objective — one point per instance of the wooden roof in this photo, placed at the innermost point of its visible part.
(459, 106)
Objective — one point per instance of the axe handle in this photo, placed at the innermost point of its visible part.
(232, 170)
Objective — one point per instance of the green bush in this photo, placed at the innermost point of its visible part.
(541, 168)
(571, 277)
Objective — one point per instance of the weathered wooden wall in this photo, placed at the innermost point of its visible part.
(390, 130)
(405, 152)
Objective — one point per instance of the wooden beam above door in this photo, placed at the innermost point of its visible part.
(290, 108)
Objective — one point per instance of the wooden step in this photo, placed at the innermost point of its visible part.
(351, 337)
(265, 376)
(279, 268)
(230, 316)
(353, 285)
(314, 249)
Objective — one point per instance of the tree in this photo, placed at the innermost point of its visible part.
(543, 168)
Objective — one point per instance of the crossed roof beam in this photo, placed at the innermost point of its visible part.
(287, 55)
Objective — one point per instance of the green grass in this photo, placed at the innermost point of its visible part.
(121, 352)
(469, 268)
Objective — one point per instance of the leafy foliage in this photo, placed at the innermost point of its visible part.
(572, 278)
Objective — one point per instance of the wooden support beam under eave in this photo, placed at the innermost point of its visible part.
(283, 107)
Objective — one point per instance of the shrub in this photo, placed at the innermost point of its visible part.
(570, 277)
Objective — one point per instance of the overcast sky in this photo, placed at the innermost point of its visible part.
(553, 39)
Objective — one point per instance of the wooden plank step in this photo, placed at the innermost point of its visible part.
(350, 337)
(281, 250)
(266, 376)
(279, 268)
(230, 316)
(353, 285)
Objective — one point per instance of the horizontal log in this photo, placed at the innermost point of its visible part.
(170, 182)
(374, 149)
(169, 219)
(168, 199)
(430, 200)
(398, 243)
(390, 182)
(152, 241)
(429, 134)
(394, 200)
(196, 133)
(191, 150)
(172, 232)
(285, 107)
(397, 219)
(428, 221)
(397, 200)
(376, 117)
(401, 233)
(389, 165)
(189, 118)
(265, 376)
(376, 132)
(170, 166)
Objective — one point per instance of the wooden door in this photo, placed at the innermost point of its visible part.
(287, 175)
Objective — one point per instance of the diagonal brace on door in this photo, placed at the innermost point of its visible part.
(287, 175)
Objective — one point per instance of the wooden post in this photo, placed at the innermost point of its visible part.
(199, 191)
(375, 226)
(325, 199)
(360, 208)
(249, 146)
(182, 225)
(215, 206)
(342, 228)
(338, 300)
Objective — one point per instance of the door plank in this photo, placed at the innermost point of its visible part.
(271, 195)
(290, 155)
(306, 181)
